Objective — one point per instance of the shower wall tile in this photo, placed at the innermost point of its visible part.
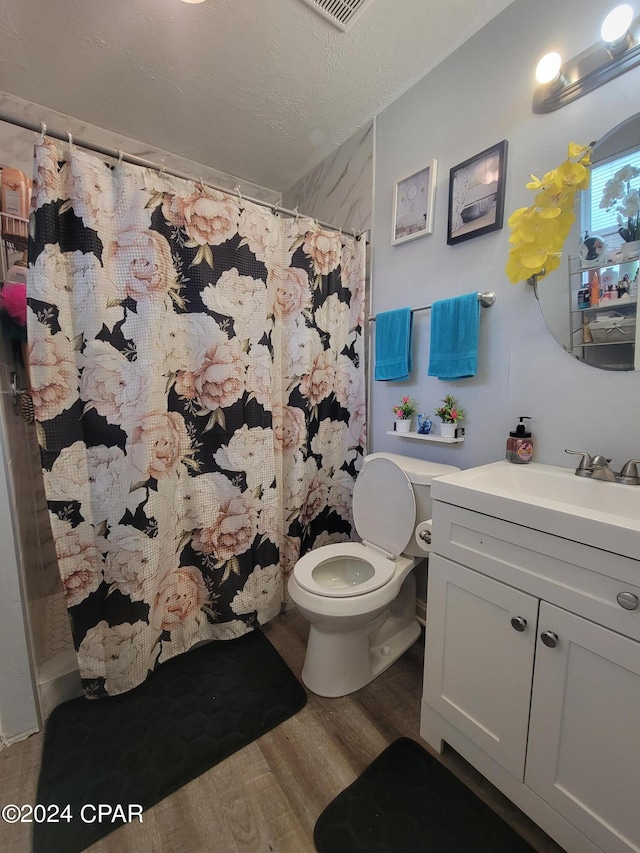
(339, 190)
(18, 712)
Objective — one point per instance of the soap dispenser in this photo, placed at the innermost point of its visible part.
(520, 444)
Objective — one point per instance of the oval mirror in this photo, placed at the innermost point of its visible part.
(590, 302)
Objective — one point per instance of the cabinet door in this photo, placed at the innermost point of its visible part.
(584, 740)
(478, 666)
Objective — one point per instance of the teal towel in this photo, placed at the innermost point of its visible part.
(455, 324)
(393, 344)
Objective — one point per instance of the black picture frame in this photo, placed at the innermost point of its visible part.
(476, 194)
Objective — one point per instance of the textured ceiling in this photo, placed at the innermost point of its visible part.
(261, 89)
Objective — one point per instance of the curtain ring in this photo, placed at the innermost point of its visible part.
(236, 190)
(120, 156)
(295, 215)
(43, 131)
(70, 138)
(162, 166)
(202, 186)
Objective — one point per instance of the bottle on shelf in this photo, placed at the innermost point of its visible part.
(594, 290)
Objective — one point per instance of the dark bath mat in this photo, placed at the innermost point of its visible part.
(139, 747)
(407, 802)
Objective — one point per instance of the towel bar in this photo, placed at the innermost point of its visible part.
(486, 299)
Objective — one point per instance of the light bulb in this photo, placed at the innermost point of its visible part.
(615, 25)
(548, 69)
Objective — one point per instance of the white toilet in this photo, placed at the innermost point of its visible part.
(360, 597)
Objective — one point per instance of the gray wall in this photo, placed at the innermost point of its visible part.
(478, 96)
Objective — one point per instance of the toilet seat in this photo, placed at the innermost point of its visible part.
(384, 512)
(381, 568)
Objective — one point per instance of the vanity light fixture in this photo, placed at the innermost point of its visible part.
(548, 70)
(619, 51)
(193, 1)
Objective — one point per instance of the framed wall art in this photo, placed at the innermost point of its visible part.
(413, 203)
(476, 194)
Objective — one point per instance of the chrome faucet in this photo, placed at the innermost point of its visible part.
(597, 467)
(600, 469)
(629, 474)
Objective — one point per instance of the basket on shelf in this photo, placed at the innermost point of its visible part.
(614, 328)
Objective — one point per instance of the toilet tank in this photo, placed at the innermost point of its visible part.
(420, 473)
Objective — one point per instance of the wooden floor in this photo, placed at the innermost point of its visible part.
(268, 795)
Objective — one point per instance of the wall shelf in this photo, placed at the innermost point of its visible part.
(428, 437)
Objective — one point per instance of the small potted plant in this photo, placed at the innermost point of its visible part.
(404, 412)
(450, 414)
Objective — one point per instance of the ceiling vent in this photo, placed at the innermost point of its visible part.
(341, 13)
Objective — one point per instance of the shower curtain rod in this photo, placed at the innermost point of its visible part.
(118, 154)
(485, 299)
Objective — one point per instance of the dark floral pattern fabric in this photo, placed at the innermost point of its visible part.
(197, 373)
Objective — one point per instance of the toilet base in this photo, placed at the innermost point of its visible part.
(339, 662)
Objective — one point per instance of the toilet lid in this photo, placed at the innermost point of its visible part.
(384, 505)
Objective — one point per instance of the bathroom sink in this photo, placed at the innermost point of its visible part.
(552, 499)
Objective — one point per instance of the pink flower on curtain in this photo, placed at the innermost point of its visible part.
(79, 562)
(53, 372)
(157, 443)
(139, 264)
(234, 528)
(324, 248)
(181, 593)
(317, 384)
(290, 429)
(292, 293)
(209, 216)
(220, 380)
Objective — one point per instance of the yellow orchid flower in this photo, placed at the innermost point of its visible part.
(516, 216)
(580, 152)
(571, 174)
(538, 232)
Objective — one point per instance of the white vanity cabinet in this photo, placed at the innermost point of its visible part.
(532, 673)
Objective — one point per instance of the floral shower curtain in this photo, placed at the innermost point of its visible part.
(197, 371)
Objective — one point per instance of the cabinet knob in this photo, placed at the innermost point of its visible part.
(549, 639)
(519, 623)
(627, 600)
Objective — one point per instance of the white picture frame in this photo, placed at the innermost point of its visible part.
(413, 205)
